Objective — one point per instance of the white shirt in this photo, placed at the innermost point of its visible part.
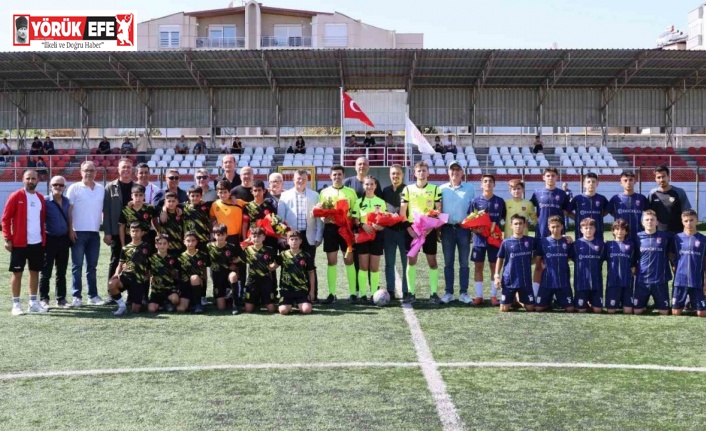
(34, 219)
(87, 206)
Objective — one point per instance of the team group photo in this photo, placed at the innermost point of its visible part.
(353, 216)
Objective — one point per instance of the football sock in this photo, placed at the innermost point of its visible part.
(493, 291)
(535, 289)
(374, 282)
(120, 301)
(363, 282)
(350, 275)
(16, 300)
(479, 289)
(433, 280)
(32, 298)
(117, 296)
(411, 278)
(331, 277)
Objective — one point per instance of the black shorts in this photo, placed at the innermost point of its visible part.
(161, 296)
(332, 240)
(220, 283)
(135, 290)
(374, 247)
(429, 246)
(294, 298)
(33, 253)
(260, 290)
(186, 290)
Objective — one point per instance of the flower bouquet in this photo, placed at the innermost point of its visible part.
(339, 212)
(384, 219)
(481, 220)
(422, 225)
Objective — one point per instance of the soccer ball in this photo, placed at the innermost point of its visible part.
(381, 298)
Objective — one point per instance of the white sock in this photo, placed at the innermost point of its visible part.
(535, 288)
(121, 303)
(493, 291)
(479, 289)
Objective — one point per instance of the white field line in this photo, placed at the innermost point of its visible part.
(335, 365)
(573, 365)
(222, 367)
(450, 420)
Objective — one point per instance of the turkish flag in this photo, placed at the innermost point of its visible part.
(352, 110)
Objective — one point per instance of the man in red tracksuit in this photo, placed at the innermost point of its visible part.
(25, 238)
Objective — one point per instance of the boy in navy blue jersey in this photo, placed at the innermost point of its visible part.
(589, 205)
(515, 262)
(652, 271)
(588, 254)
(494, 206)
(689, 248)
(554, 252)
(628, 205)
(549, 201)
(621, 256)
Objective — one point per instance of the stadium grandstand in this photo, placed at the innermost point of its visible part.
(596, 110)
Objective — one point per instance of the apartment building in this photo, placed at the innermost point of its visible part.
(254, 26)
(697, 28)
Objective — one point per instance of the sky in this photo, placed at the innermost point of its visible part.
(472, 24)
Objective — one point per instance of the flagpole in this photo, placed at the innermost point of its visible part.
(343, 136)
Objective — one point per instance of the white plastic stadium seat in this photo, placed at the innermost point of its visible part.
(498, 163)
(612, 163)
(513, 171)
(318, 150)
(601, 164)
(520, 163)
(247, 151)
(585, 157)
(581, 150)
(328, 150)
(439, 163)
(185, 164)
(152, 164)
(473, 163)
(259, 150)
(509, 163)
(307, 150)
(169, 151)
(570, 150)
(571, 171)
(201, 157)
(558, 150)
(544, 163)
(578, 163)
(504, 151)
(159, 152)
(271, 150)
(514, 150)
(566, 163)
(469, 150)
(190, 157)
(155, 157)
(526, 151)
(167, 158)
(162, 164)
(494, 157)
(198, 164)
(617, 171)
(590, 164)
(606, 172)
(501, 171)
(604, 150)
(476, 171)
(532, 163)
(178, 157)
(493, 151)
(173, 164)
(592, 150)
(535, 171)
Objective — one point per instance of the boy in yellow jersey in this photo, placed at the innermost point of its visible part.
(332, 240)
(518, 205)
(421, 197)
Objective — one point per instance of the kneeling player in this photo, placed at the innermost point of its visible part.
(653, 274)
(223, 270)
(515, 262)
(164, 269)
(620, 255)
(689, 247)
(297, 280)
(588, 254)
(553, 251)
(259, 285)
(192, 263)
(132, 272)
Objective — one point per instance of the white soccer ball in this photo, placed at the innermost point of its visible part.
(381, 298)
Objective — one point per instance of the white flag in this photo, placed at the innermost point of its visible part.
(414, 136)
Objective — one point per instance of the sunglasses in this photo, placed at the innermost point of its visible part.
(201, 177)
(173, 178)
(58, 185)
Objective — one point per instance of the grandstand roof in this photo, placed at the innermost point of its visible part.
(356, 69)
